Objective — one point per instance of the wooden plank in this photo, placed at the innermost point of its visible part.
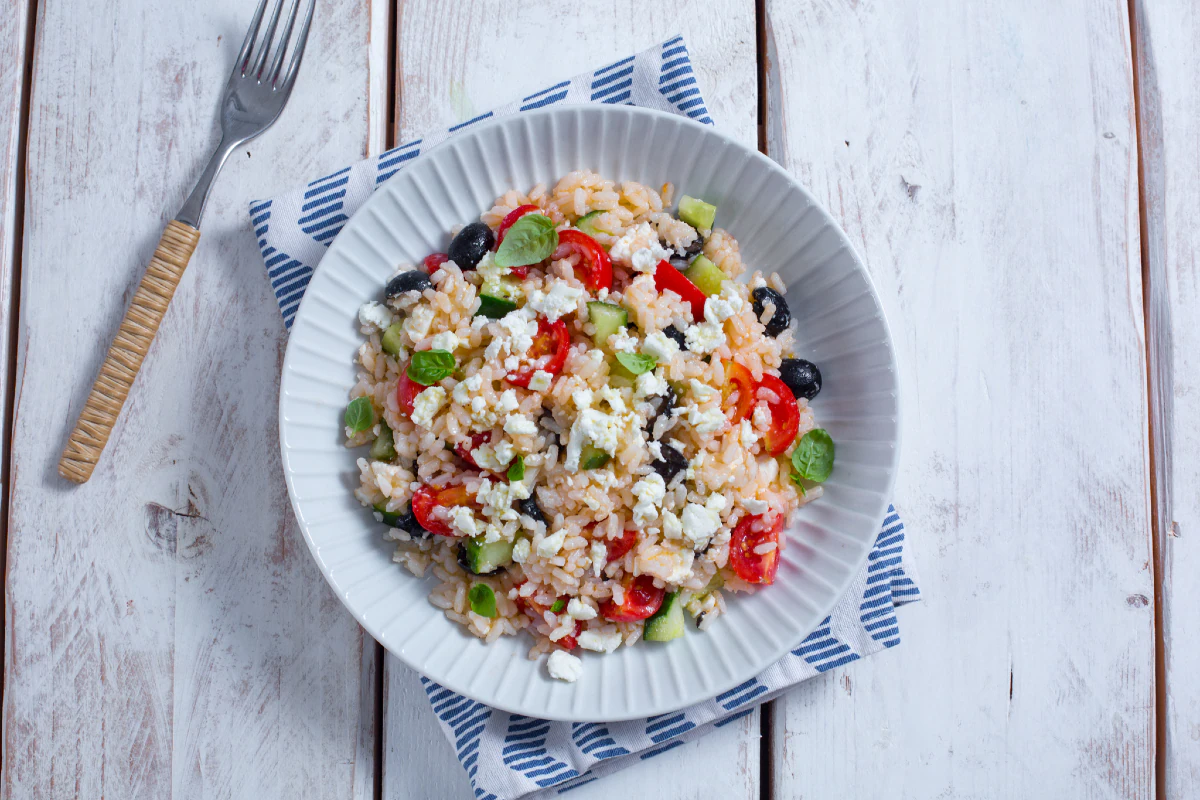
(454, 66)
(1168, 102)
(169, 634)
(981, 158)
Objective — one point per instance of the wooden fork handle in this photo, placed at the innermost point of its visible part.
(127, 351)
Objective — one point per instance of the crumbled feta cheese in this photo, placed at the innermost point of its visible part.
(728, 303)
(561, 300)
(550, 545)
(482, 415)
(762, 416)
(670, 565)
(462, 519)
(583, 398)
(519, 425)
(649, 384)
(444, 341)
(580, 610)
(702, 392)
(492, 273)
(376, 314)
(672, 528)
(647, 258)
(622, 342)
(614, 398)
(600, 642)
(655, 449)
(600, 429)
(508, 401)
(748, 435)
(599, 555)
(705, 422)
(699, 524)
(479, 322)
(755, 506)
(505, 452)
(649, 492)
(462, 392)
(521, 550)
(492, 458)
(540, 382)
(418, 322)
(705, 337)
(716, 503)
(660, 347)
(564, 666)
(639, 248)
(428, 403)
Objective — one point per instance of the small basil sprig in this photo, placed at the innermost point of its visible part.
(430, 366)
(483, 600)
(516, 472)
(637, 363)
(558, 606)
(531, 239)
(812, 459)
(359, 415)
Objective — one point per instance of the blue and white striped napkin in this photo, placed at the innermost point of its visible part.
(509, 756)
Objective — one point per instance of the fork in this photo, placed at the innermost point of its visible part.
(254, 97)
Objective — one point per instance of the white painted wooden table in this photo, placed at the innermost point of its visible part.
(166, 634)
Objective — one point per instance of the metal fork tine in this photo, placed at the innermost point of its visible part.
(239, 66)
(281, 51)
(268, 38)
(290, 76)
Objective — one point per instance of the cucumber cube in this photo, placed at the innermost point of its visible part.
(697, 213)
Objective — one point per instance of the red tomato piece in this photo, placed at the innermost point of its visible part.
(571, 640)
(433, 261)
(551, 344)
(465, 448)
(536, 610)
(737, 395)
(406, 392)
(642, 599)
(750, 533)
(667, 277)
(509, 219)
(595, 267)
(621, 546)
(785, 414)
(427, 499)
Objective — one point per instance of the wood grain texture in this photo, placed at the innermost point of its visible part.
(982, 159)
(168, 633)
(452, 66)
(1169, 102)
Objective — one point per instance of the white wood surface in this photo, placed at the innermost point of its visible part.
(168, 633)
(1169, 105)
(453, 67)
(982, 158)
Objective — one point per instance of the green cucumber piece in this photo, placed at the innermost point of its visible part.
(667, 622)
(384, 446)
(592, 457)
(390, 518)
(608, 319)
(484, 558)
(697, 213)
(391, 339)
(495, 307)
(706, 275)
(584, 223)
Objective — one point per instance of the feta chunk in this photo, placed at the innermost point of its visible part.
(550, 545)
(564, 666)
(562, 299)
(639, 248)
(649, 384)
(540, 382)
(728, 303)
(376, 314)
(418, 322)
(755, 506)
(705, 337)
(580, 610)
(492, 273)
(521, 550)
(508, 401)
(672, 528)
(519, 425)
(599, 555)
(762, 416)
(492, 458)
(447, 341)
(747, 434)
(622, 342)
(705, 422)
(600, 642)
(660, 347)
(462, 392)
(649, 492)
(595, 427)
(462, 519)
(699, 524)
(702, 392)
(428, 403)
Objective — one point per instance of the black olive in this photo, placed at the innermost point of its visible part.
(530, 508)
(466, 565)
(671, 464)
(412, 281)
(693, 249)
(778, 323)
(802, 377)
(470, 245)
(666, 406)
(676, 334)
(406, 522)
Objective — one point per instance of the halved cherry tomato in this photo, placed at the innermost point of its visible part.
(433, 261)
(642, 599)
(621, 546)
(595, 266)
(466, 447)
(509, 219)
(406, 391)
(550, 346)
(427, 498)
(750, 533)
(536, 610)
(785, 414)
(737, 395)
(667, 277)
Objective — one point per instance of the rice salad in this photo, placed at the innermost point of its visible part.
(585, 420)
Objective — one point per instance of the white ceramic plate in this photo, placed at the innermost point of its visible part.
(780, 228)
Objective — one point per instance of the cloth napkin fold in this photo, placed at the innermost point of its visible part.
(506, 755)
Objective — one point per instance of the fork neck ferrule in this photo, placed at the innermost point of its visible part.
(193, 207)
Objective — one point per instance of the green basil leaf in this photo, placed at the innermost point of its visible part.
(796, 479)
(359, 415)
(558, 606)
(637, 363)
(813, 457)
(531, 239)
(483, 600)
(516, 472)
(430, 366)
